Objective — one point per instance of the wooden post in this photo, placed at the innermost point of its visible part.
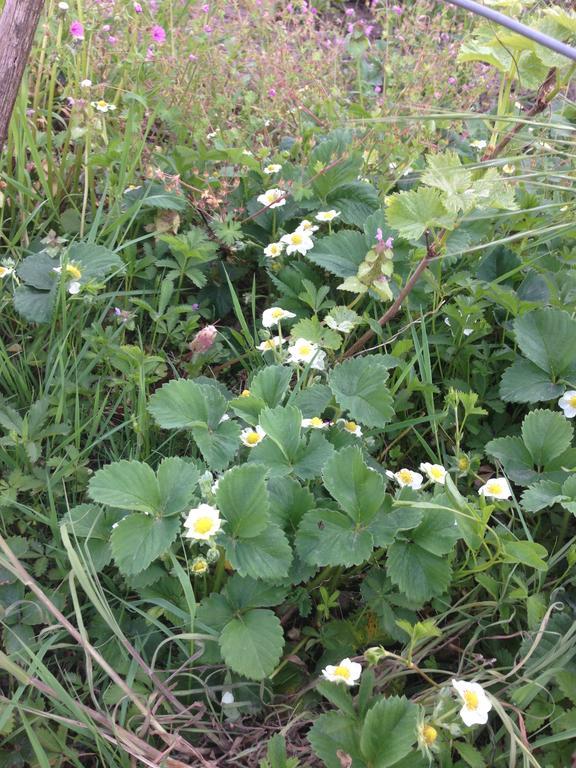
(18, 25)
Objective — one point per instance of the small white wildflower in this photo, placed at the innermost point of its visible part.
(568, 403)
(251, 437)
(86, 83)
(497, 488)
(274, 249)
(273, 168)
(478, 144)
(227, 697)
(74, 287)
(272, 198)
(476, 702)
(315, 423)
(307, 226)
(271, 344)
(202, 522)
(304, 351)
(103, 106)
(327, 215)
(406, 478)
(298, 242)
(273, 315)
(435, 472)
(347, 672)
(351, 426)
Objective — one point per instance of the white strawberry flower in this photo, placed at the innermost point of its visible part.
(271, 344)
(476, 702)
(304, 351)
(406, 478)
(478, 144)
(435, 472)
(273, 315)
(251, 437)
(272, 198)
(307, 226)
(568, 403)
(298, 241)
(273, 168)
(103, 106)
(496, 488)
(347, 672)
(274, 249)
(202, 522)
(351, 426)
(327, 215)
(315, 423)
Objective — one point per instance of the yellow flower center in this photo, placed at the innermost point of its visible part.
(351, 426)
(245, 393)
(405, 476)
(277, 313)
(305, 350)
(203, 525)
(269, 344)
(102, 104)
(436, 473)
(253, 438)
(296, 239)
(572, 401)
(429, 734)
(463, 463)
(200, 567)
(275, 250)
(3, 271)
(316, 422)
(471, 700)
(342, 672)
(73, 271)
(495, 488)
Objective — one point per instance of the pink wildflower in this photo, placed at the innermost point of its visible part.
(379, 235)
(158, 34)
(137, 7)
(77, 30)
(204, 339)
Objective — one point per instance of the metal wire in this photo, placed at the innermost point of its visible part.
(517, 26)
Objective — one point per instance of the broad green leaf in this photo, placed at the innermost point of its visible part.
(283, 426)
(546, 434)
(218, 445)
(312, 455)
(525, 382)
(333, 734)
(412, 213)
(355, 201)
(138, 540)
(248, 407)
(266, 556)
(541, 495)
(338, 695)
(446, 173)
(514, 457)
(126, 485)
(34, 306)
(88, 521)
(95, 261)
(437, 533)
(243, 592)
(389, 731)
(341, 254)
(37, 271)
(177, 480)
(358, 489)
(252, 644)
(215, 611)
(271, 384)
(358, 385)
(180, 403)
(527, 552)
(419, 574)
(328, 537)
(470, 754)
(547, 337)
(289, 501)
(311, 401)
(311, 329)
(270, 456)
(242, 499)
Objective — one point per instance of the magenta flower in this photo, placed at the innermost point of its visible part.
(398, 10)
(205, 7)
(379, 235)
(77, 30)
(137, 7)
(389, 244)
(158, 34)
(272, 92)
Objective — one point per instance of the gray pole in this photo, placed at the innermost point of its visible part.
(516, 26)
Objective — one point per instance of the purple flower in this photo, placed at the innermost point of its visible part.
(379, 235)
(272, 92)
(195, 307)
(206, 8)
(77, 30)
(398, 10)
(158, 34)
(452, 80)
(137, 7)
(389, 244)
